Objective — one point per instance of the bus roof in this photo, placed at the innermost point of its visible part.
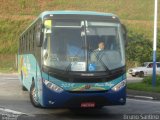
(70, 12)
(76, 12)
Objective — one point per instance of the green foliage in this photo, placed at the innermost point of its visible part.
(146, 85)
(139, 47)
(22, 3)
(10, 31)
(143, 87)
(158, 46)
(126, 9)
(148, 80)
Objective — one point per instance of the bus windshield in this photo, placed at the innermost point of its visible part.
(84, 46)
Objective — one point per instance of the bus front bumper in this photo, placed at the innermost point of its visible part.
(69, 99)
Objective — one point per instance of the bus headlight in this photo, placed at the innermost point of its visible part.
(53, 86)
(119, 86)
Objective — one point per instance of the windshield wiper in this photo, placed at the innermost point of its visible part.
(99, 58)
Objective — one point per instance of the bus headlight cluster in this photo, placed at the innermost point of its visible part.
(119, 86)
(53, 86)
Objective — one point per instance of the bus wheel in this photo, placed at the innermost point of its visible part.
(24, 88)
(33, 96)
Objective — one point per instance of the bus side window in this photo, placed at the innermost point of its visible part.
(21, 45)
(20, 41)
(24, 43)
(31, 40)
(28, 42)
(33, 37)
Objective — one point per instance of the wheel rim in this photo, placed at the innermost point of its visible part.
(34, 95)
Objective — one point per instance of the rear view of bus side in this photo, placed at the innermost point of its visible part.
(61, 66)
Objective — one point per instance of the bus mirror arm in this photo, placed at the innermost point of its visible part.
(39, 41)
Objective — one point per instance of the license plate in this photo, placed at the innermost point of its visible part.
(88, 104)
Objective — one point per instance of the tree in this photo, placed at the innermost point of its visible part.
(139, 48)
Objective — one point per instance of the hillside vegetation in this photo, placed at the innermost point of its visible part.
(16, 15)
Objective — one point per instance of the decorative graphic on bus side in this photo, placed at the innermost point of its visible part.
(23, 67)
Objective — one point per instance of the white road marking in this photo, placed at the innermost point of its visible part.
(4, 78)
(10, 78)
(147, 101)
(143, 97)
(146, 97)
(11, 111)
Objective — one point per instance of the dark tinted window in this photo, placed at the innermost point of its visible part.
(150, 65)
(158, 64)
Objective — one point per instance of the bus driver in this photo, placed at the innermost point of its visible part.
(96, 54)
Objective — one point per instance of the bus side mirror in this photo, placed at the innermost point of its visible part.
(46, 27)
(124, 32)
(39, 37)
(39, 40)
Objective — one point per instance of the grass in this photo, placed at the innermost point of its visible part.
(126, 9)
(16, 15)
(9, 32)
(8, 63)
(146, 85)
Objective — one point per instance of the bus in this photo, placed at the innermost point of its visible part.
(56, 65)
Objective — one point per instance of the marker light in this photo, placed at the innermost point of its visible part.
(52, 86)
(119, 86)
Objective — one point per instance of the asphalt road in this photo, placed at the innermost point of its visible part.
(15, 104)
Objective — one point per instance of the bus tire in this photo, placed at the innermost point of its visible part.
(33, 96)
(24, 88)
